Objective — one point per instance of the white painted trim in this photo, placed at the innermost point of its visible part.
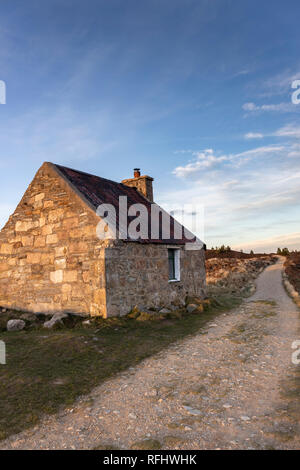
(177, 265)
(177, 252)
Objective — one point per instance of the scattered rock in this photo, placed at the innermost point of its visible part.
(151, 393)
(191, 308)
(245, 418)
(59, 381)
(193, 411)
(164, 311)
(55, 321)
(15, 325)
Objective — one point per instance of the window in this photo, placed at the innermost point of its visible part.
(174, 264)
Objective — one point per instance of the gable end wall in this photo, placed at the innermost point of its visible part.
(50, 257)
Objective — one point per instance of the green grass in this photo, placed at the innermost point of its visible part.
(46, 370)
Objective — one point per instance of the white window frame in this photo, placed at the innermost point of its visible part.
(176, 263)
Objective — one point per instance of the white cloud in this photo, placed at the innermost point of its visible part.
(288, 131)
(249, 107)
(206, 160)
(254, 135)
(261, 151)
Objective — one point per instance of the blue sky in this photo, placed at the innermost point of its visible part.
(197, 93)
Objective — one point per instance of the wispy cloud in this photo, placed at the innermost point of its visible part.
(204, 160)
(208, 160)
(272, 243)
(290, 130)
(254, 135)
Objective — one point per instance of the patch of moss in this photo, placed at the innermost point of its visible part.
(147, 444)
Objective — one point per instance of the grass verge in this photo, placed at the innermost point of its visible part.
(46, 370)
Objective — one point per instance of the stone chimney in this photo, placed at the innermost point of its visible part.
(142, 183)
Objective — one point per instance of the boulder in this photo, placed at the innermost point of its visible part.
(15, 325)
(191, 308)
(55, 321)
(164, 311)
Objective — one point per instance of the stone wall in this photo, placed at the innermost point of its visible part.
(137, 274)
(50, 257)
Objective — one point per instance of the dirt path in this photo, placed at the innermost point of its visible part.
(233, 386)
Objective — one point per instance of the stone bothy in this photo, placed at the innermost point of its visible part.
(53, 260)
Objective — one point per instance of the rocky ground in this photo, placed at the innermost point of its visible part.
(231, 386)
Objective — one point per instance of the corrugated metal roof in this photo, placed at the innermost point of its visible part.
(99, 191)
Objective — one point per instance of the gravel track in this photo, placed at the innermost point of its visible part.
(231, 386)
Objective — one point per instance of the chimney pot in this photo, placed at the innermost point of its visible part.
(137, 172)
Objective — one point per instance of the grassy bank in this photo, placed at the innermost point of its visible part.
(49, 369)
